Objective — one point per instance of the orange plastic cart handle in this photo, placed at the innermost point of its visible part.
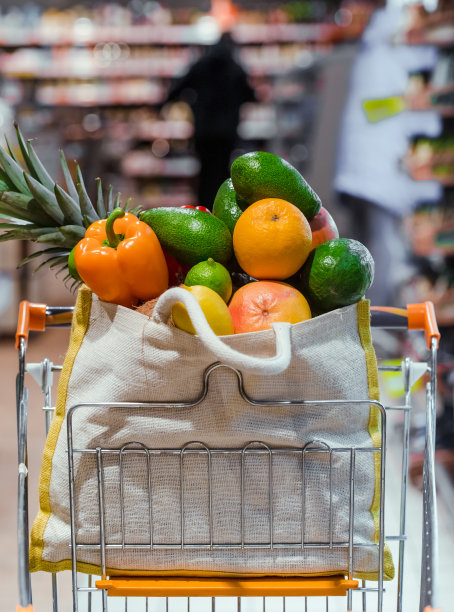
(31, 317)
(420, 317)
(28, 608)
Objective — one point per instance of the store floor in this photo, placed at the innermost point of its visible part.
(52, 345)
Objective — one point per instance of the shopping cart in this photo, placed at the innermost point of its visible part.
(330, 593)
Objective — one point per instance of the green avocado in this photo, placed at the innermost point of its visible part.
(260, 175)
(190, 235)
(337, 273)
(227, 205)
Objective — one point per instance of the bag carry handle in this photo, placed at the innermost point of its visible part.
(225, 354)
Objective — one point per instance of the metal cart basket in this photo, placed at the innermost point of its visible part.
(330, 593)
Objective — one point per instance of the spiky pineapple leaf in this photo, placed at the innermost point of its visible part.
(24, 151)
(49, 262)
(45, 198)
(100, 201)
(68, 177)
(56, 239)
(117, 202)
(26, 232)
(14, 171)
(14, 205)
(32, 161)
(15, 225)
(86, 205)
(110, 203)
(87, 221)
(11, 151)
(136, 211)
(55, 251)
(11, 213)
(35, 164)
(89, 214)
(58, 261)
(69, 208)
(5, 181)
(74, 285)
(73, 233)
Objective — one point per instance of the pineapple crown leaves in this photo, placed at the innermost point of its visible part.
(37, 209)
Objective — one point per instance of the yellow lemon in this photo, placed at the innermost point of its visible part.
(213, 306)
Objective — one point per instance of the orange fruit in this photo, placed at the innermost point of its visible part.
(272, 239)
(256, 306)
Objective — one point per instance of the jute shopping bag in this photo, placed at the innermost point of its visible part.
(254, 501)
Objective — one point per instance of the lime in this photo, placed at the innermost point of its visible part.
(213, 275)
(337, 273)
(213, 306)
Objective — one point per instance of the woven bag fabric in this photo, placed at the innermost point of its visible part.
(254, 502)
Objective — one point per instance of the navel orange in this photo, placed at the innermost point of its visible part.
(272, 239)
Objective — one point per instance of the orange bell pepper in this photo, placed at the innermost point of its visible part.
(120, 259)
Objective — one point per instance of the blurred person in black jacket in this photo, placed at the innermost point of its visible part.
(215, 87)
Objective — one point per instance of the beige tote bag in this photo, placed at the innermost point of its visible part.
(217, 478)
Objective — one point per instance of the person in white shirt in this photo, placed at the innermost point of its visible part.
(369, 178)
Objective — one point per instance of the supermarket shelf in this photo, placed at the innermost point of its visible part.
(137, 72)
(442, 36)
(427, 174)
(98, 102)
(170, 130)
(425, 163)
(438, 99)
(139, 164)
(83, 64)
(94, 94)
(144, 131)
(435, 28)
(167, 200)
(123, 70)
(91, 34)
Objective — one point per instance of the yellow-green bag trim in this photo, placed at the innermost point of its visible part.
(375, 433)
(79, 326)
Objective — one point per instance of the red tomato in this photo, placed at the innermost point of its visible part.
(197, 208)
(177, 271)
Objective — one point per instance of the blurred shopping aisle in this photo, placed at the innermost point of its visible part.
(114, 126)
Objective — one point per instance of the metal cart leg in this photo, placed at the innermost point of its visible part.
(429, 564)
(25, 593)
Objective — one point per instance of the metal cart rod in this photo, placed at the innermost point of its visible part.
(422, 317)
(32, 317)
